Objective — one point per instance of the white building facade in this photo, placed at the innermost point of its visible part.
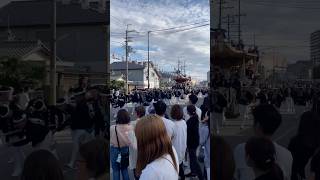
(137, 74)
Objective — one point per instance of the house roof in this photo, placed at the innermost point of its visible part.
(122, 66)
(132, 65)
(38, 12)
(20, 49)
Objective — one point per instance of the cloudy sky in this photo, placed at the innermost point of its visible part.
(281, 25)
(166, 47)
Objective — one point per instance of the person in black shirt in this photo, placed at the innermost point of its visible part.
(304, 144)
(82, 124)
(193, 142)
(315, 166)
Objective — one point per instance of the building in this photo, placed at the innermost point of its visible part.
(36, 53)
(81, 29)
(137, 74)
(167, 79)
(299, 70)
(315, 47)
(272, 65)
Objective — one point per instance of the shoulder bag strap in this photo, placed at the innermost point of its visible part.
(117, 137)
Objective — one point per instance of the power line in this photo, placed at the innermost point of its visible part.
(177, 27)
(176, 31)
(284, 5)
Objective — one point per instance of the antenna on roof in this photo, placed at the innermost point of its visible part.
(11, 36)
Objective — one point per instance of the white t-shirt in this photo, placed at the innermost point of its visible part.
(170, 127)
(180, 140)
(244, 172)
(161, 169)
(186, 115)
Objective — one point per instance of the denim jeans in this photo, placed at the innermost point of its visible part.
(114, 151)
(194, 165)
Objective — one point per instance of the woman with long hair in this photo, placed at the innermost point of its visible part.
(157, 158)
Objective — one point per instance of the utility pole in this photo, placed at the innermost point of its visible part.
(273, 67)
(220, 14)
(127, 71)
(53, 90)
(107, 107)
(184, 67)
(239, 21)
(127, 40)
(149, 59)
(228, 28)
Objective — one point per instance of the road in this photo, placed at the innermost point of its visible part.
(288, 128)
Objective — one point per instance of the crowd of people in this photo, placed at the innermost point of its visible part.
(232, 99)
(261, 157)
(161, 134)
(26, 120)
(162, 138)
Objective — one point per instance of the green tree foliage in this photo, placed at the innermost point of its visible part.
(18, 74)
(117, 84)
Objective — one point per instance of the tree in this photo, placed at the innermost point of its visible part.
(19, 74)
(117, 84)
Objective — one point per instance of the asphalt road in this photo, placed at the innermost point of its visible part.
(288, 128)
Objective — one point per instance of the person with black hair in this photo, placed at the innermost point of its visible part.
(42, 165)
(267, 120)
(219, 103)
(204, 141)
(12, 127)
(193, 99)
(82, 124)
(223, 165)
(193, 139)
(260, 155)
(180, 141)
(94, 160)
(140, 112)
(160, 108)
(120, 142)
(304, 144)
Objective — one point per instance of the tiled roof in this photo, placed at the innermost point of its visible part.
(38, 12)
(122, 65)
(18, 49)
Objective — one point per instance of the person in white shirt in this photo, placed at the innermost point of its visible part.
(193, 99)
(180, 141)
(160, 108)
(140, 112)
(266, 121)
(157, 158)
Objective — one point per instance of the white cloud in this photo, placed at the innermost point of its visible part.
(192, 46)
